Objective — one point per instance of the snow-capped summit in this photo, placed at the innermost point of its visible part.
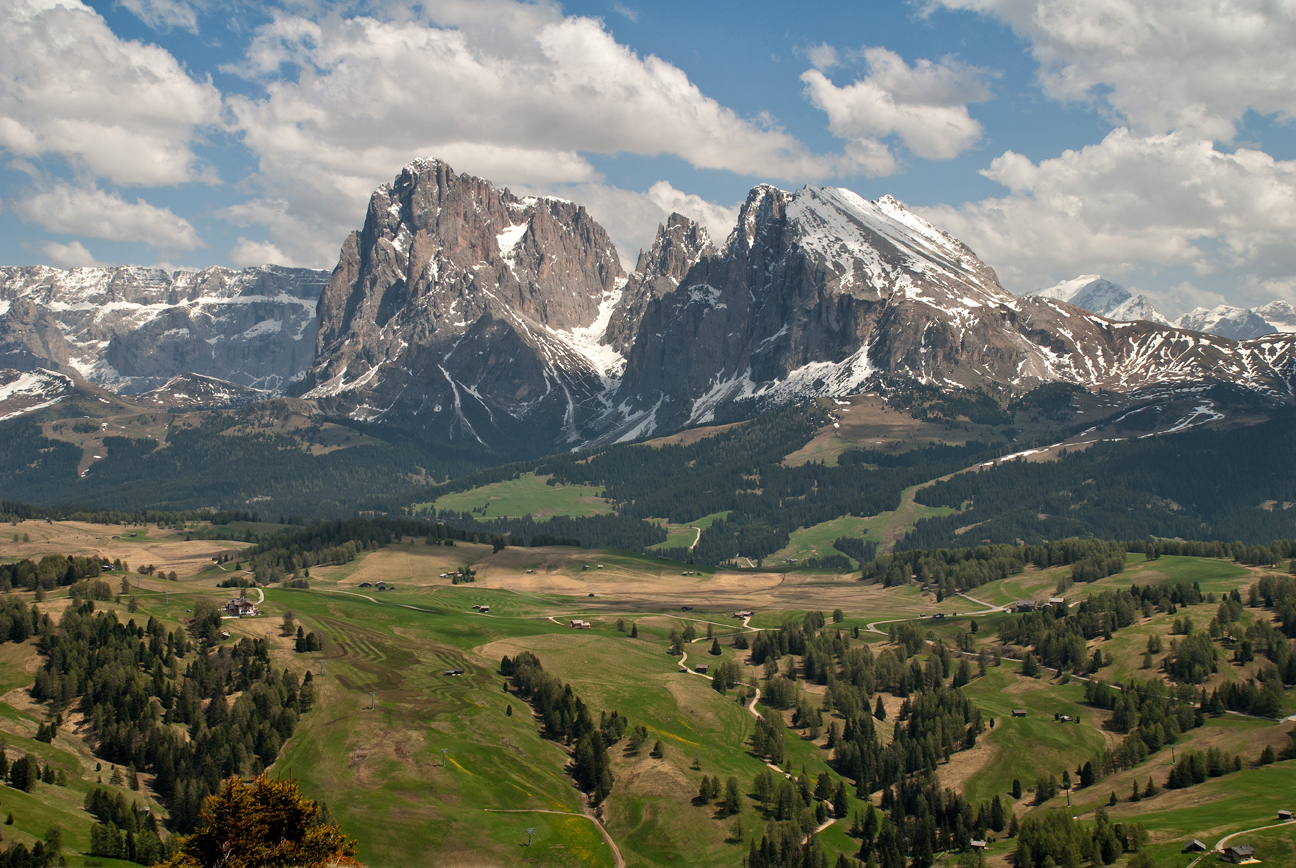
(1241, 323)
(1105, 298)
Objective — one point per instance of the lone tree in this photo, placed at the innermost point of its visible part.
(264, 824)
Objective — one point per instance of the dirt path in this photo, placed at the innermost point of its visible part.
(1259, 828)
(616, 851)
(697, 539)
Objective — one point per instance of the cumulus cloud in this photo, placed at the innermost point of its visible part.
(1133, 201)
(514, 92)
(68, 86)
(924, 106)
(247, 252)
(70, 255)
(93, 213)
(1171, 65)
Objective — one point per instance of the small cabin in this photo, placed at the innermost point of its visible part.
(382, 586)
(454, 672)
(1019, 712)
(939, 616)
(701, 668)
(1057, 601)
(224, 634)
(1024, 605)
(977, 845)
(579, 624)
(1238, 854)
(1194, 846)
(1284, 815)
(366, 584)
(477, 607)
(686, 608)
(485, 610)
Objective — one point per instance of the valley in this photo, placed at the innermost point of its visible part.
(382, 774)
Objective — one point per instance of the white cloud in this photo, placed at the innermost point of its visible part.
(68, 86)
(924, 106)
(1132, 202)
(823, 56)
(164, 14)
(622, 9)
(72, 210)
(513, 92)
(248, 253)
(1182, 65)
(70, 255)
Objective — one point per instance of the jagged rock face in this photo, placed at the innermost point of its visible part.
(816, 292)
(131, 329)
(792, 304)
(678, 247)
(466, 311)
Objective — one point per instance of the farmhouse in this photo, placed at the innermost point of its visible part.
(1024, 605)
(1238, 854)
(578, 624)
(241, 607)
(1057, 601)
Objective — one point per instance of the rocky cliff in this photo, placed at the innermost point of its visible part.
(473, 314)
(469, 313)
(132, 329)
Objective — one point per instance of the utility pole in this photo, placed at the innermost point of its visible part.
(443, 756)
(530, 834)
(321, 667)
(372, 694)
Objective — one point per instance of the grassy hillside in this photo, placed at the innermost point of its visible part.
(452, 769)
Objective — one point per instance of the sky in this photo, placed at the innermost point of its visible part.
(1147, 141)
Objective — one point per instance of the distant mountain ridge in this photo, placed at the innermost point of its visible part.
(1105, 298)
(131, 329)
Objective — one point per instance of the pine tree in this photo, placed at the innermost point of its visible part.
(733, 797)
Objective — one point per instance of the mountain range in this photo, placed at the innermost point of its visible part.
(462, 312)
(132, 329)
(1113, 301)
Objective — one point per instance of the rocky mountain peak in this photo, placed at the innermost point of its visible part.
(463, 299)
(679, 244)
